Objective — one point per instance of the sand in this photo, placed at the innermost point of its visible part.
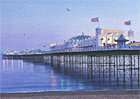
(135, 94)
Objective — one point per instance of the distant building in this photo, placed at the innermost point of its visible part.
(38, 51)
(13, 52)
(23, 52)
(31, 51)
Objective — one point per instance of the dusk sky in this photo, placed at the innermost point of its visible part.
(48, 21)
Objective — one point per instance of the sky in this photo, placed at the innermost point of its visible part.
(47, 21)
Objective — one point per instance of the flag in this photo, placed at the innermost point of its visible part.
(127, 23)
(94, 19)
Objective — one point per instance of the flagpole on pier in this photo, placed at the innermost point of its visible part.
(130, 24)
(98, 21)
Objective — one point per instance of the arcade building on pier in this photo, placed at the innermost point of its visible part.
(85, 42)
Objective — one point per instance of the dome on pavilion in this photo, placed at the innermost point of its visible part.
(80, 38)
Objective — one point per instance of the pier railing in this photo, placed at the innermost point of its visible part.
(118, 47)
(133, 47)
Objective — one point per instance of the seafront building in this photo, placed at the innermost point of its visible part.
(108, 39)
(37, 51)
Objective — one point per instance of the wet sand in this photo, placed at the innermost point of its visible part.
(135, 94)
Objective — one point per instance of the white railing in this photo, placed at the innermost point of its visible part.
(133, 47)
(118, 47)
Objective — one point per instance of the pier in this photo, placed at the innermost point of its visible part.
(119, 65)
(70, 50)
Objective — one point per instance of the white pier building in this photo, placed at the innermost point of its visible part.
(106, 39)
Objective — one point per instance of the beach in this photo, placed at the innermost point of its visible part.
(135, 94)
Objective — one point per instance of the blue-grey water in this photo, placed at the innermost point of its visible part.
(28, 76)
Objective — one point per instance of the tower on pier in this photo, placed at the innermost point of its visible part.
(131, 35)
(98, 36)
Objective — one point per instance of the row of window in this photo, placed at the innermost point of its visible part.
(81, 43)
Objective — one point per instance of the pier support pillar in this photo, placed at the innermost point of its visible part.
(131, 69)
(51, 60)
(138, 68)
(124, 68)
(91, 68)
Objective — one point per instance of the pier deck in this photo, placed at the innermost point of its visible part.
(89, 53)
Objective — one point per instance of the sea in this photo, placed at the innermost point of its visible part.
(17, 75)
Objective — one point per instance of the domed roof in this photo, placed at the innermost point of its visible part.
(80, 38)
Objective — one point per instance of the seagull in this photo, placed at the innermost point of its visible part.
(67, 9)
(24, 34)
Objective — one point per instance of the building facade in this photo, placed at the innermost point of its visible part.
(86, 42)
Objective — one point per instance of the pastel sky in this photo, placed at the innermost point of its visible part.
(48, 21)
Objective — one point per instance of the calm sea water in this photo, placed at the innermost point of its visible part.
(23, 76)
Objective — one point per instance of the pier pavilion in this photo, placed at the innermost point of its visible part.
(107, 40)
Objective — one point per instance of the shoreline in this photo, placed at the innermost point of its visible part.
(42, 95)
